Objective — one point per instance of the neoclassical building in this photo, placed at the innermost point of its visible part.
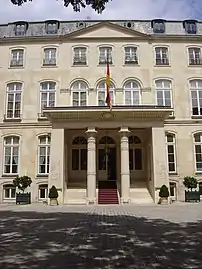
(55, 125)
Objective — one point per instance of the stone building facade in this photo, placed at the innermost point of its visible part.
(55, 125)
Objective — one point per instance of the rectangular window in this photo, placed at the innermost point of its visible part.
(43, 191)
(11, 155)
(105, 54)
(131, 55)
(49, 57)
(17, 58)
(9, 191)
(195, 56)
(20, 29)
(102, 159)
(44, 155)
(80, 56)
(170, 140)
(79, 159)
(135, 159)
(161, 56)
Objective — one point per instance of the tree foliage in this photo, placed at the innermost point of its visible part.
(22, 182)
(97, 5)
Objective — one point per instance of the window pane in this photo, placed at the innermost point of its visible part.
(138, 159)
(83, 159)
(131, 160)
(13, 191)
(75, 159)
(170, 149)
(102, 159)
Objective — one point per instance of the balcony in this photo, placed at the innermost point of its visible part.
(196, 61)
(49, 62)
(16, 63)
(162, 61)
(80, 61)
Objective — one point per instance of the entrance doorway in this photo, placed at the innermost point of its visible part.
(107, 159)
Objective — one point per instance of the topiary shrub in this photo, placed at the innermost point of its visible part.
(22, 182)
(190, 182)
(164, 192)
(53, 193)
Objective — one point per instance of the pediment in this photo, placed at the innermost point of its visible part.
(106, 30)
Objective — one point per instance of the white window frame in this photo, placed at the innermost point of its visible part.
(173, 144)
(77, 88)
(133, 147)
(52, 56)
(78, 147)
(131, 56)
(80, 53)
(132, 91)
(103, 51)
(162, 54)
(163, 88)
(12, 145)
(48, 92)
(194, 54)
(9, 187)
(102, 88)
(42, 187)
(198, 91)
(16, 91)
(197, 144)
(17, 61)
(47, 146)
(175, 190)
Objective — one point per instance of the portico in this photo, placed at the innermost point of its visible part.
(92, 144)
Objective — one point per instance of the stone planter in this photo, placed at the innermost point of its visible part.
(23, 198)
(192, 196)
(53, 201)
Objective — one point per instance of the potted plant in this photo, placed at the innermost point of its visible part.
(22, 183)
(163, 194)
(53, 195)
(191, 195)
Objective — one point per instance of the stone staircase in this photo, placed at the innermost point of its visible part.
(107, 192)
(139, 193)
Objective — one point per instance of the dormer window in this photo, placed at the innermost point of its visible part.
(21, 28)
(158, 26)
(52, 27)
(190, 27)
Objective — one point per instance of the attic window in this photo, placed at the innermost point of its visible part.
(52, 27)
(81, 24)
(21, 28)
(190, 26)
(158, 26)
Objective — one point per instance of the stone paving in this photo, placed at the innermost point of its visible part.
(99, 237)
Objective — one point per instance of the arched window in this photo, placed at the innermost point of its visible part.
(135, 153)
(47, 94)
(79, 153)
(131, 92)
(43, 191)
(163, 92)
(102, 93)
(106, 140)
(11, 154)
(9, 191)
(44, 155)
(196, 96)
(14, 96)
(170, 142)
(79, 93)
(107, 155)
(198, 151)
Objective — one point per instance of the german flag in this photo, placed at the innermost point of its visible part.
(108, 98)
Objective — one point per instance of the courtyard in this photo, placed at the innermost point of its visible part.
(99, 237)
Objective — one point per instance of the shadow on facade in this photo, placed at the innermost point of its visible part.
(79, 240)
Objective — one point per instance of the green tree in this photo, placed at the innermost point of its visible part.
(97, 5)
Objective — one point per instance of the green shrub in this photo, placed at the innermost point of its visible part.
(22, 182)
(164, 192)
(190, 182)
(53, 193)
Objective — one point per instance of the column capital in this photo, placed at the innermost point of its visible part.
(91, 131)
(124, 131)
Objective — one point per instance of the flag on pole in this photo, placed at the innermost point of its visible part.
(108, 98)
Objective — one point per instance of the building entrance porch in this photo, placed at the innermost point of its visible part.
(107, 151)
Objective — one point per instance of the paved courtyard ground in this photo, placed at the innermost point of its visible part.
(99, 237)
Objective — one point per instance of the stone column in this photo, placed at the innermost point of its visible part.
(125, 170)
(159, 160)
(56, 173)
(91, 166)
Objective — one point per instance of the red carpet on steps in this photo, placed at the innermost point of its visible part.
(107, 192)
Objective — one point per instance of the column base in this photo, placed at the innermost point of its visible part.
(91, 201)
(125, 201)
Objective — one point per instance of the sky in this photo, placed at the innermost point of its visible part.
(115, 10)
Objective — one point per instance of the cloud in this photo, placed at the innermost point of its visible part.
(115, 10)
